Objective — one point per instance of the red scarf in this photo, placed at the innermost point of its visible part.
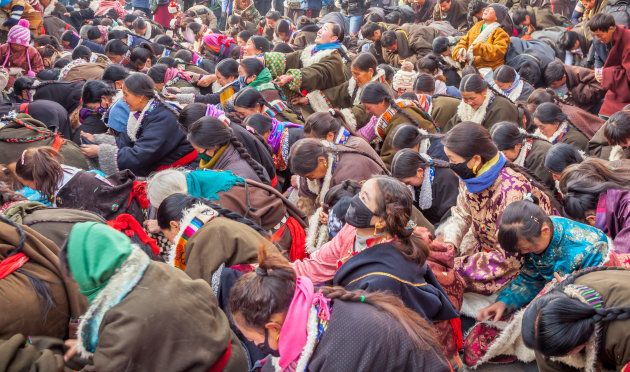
(12, 263)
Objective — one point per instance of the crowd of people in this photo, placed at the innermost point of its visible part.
(258, 185)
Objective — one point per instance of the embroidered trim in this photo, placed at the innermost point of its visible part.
(194, 218)
(557, 135)
(134, 125)
(389, 276)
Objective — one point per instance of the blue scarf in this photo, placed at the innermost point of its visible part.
(487, 178)
(333, 45)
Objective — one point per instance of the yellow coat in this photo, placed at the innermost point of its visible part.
(488, 54)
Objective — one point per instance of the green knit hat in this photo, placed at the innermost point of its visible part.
(95, 252)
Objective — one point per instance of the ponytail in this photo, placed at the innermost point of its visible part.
(260, 171)
(42, 165)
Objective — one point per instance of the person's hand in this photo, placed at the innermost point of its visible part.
(173, 90)
(300, 101)
(598, 75)
(323, 217)
(558, 278)
(72, 345)
(91, 151)
(497, 309)
(88, 136)
(461, 55)
(284, 80)
(206, 80)
(151, 226)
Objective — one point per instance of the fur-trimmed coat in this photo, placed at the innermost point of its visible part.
(490, 53)
(443, 108)
(585, 90)
(166, 322)
(500, 109)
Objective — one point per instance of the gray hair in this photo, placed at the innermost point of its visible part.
(165, 183)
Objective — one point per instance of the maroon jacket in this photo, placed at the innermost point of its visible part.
(585, 90)
(616, 73)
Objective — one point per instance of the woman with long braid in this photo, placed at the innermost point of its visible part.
(251, 101)
(332, 329)
(389, 113)
(582, 324)
(219, 149)
(152, 141)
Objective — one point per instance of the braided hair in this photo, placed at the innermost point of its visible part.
(269, 290)
(506, 135)
(260, 124)
(209, 132)
(555, 324)
(476, 84)
(406, 163)
(142, 85)
(173, 207)
(548, 113)
(406, 136)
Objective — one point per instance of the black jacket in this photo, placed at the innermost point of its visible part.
(159, 142)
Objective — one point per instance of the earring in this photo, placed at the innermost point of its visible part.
(475, 169)
(378, 226)
(277, 337)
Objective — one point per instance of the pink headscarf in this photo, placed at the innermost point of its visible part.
(172, 73)
(294, 335)
(217, 42)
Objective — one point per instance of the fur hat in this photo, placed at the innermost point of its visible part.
(20, 34)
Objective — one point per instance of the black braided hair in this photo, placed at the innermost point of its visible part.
(260, 171)
(44, 294)
(252, 122)
(535, 181)
(401, 111)
(173, 207)
(166, 105)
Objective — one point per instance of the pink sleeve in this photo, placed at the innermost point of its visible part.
(323, 264)
(367, 131)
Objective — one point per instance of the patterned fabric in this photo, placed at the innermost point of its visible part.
(574, 246)
(483, 264)
(383, 122)
(64, 71)
(276, 63)
(296, 83)
(247, 11)
(190, 230)
(478, 341)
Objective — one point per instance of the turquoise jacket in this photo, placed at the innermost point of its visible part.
(574, 246)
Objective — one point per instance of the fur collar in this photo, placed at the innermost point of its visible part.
(515, 93)
(50, 8)
(352, 84)
(522, 155)
(481, 38)
(200, 211)
(133, 124)
(467, 113)
(309, 60)
(119, 285)
(312, 325)
(562, 129)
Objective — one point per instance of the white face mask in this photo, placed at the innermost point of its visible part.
(577, 51)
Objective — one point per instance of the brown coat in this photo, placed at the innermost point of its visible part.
(614, 350)
(584, 90)
(264, 205)
(21, 307)
(414, 42)
(587, 122)
(535, 162)
(168, 322)
(575, 138)
(444, 108)
(501, 109)
(11, 151)
(220, 241)
(86, 71)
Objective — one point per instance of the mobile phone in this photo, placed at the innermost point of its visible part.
(85, 141)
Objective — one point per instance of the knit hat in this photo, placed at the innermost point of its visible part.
(500, 10)
(404, 78)
(95, 252)
(174, 7)
(20, 34)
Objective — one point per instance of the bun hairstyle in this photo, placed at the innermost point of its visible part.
(521, 220)
(269, 290)
(142, 85)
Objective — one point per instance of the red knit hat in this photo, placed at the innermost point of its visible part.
(174, 7)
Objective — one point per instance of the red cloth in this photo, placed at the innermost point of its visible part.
(298, 239)
(162, 16)
(139, 192)
(12, 263)
(616, 73)
(187, 159)
(223, 361)
(127, 224)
